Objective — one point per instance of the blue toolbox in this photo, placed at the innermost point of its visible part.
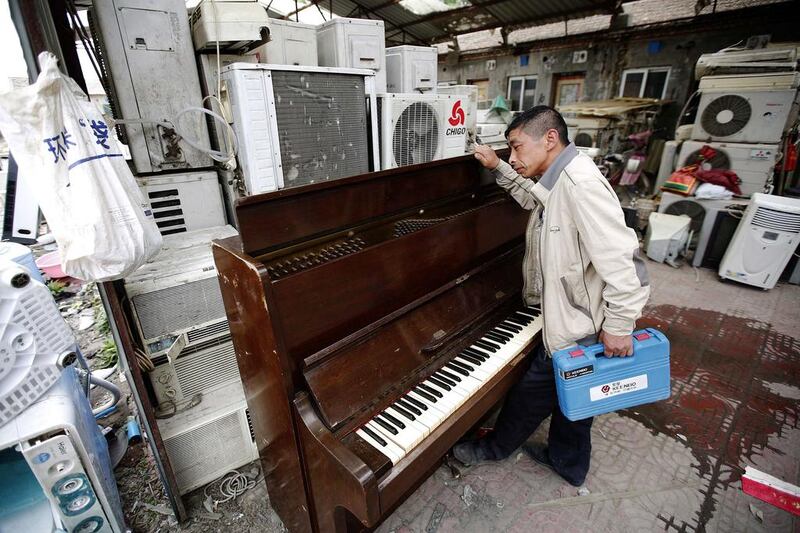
(589, 383)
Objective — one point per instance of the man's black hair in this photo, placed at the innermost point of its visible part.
(537, 120)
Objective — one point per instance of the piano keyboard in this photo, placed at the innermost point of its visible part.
(403, 425)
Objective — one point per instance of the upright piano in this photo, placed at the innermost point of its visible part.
(376, 320)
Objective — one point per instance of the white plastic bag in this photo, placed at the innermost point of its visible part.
(101, 222)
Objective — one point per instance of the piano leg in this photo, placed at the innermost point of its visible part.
(338, 481)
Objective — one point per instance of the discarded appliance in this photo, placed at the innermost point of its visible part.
(667, 238)
(764, 241)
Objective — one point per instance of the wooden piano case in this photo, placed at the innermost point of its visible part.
(341, 296)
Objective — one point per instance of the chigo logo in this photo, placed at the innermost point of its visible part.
(457, 118)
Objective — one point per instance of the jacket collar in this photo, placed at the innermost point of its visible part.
(548, 180)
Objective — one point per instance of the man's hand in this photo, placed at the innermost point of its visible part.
(486, 156)
(616, 345)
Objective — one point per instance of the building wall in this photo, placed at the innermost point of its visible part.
(604, 67)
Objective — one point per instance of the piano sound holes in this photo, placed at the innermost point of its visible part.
(307, 260)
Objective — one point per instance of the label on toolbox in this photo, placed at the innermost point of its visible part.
(618, 387)
(577, 372)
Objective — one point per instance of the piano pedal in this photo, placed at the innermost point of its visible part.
(454, 470)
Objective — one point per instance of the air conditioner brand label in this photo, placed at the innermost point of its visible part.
(577, 372)
(615, 388)
(760, 154)
(457, 118)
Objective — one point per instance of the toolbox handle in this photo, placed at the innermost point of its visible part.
(599, 348)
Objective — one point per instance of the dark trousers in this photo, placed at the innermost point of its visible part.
(528, 403)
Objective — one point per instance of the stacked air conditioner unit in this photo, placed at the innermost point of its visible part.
(354, 43)
(290, 43)
(411, 69)
(229, 25)
(743, 118)
(421, 128)
(764, 241)
(300, 125)
(184, 202)
(753, 163)
(180, 317)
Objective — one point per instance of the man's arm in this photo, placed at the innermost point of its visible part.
(518, 187)
(613, 250)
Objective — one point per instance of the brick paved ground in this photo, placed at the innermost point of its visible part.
(675, 465)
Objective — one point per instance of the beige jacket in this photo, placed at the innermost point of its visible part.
(581, 260)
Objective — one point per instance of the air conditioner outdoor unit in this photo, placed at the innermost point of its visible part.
(290, 43)
(178, 290)
(354, 43)
(747, 61)
(418, 128)
(748, 108)
(209, 440)
(184, 202)
(411, 69)
(764, 241)
(470, 93)
(587, 132)
(704, 214)
(301, 125)
(232, 25)
(753, 163)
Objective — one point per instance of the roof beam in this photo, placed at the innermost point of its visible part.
(466, 10)
(604, 9)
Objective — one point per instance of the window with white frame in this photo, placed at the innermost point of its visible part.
(521, 92)
(644, 82)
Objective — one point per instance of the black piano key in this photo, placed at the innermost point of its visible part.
(393, 420)
(471, 359)
(513, 327)
(465, 366)
(526, 319)
(485, 345)
(476, 354)
(439, 382)
(430, 392)
(505, 330)
(515, 320)
(458, 369)
(407, 403)
(374, 435)
(450, 376)
(403, 411)
(529, 313)
(444, 378)
(385, 425)
(491, 343)
(497, 337)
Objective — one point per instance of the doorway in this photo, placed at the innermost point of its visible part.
(567, 89)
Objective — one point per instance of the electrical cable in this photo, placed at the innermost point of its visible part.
(231, 486)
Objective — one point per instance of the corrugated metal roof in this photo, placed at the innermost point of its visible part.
(480, 15)
(640, 12)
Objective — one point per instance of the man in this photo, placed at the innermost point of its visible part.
(581, 264)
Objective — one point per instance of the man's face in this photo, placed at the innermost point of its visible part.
(528, 155)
